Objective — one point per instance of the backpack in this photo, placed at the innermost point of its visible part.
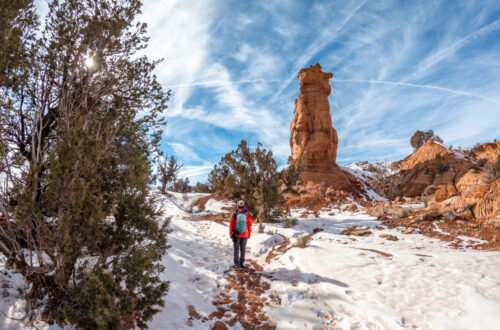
(241, 222)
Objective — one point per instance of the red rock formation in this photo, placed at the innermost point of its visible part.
(487, 208)
(433, 164)
(488, 151)
(312, 136)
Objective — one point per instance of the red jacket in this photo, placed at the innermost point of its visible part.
(232, 224)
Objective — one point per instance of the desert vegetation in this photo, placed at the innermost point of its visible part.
(79, 223)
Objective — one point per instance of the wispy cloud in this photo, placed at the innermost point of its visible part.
(447, 90)
(398, 67)
(327, 35)
(447, 51)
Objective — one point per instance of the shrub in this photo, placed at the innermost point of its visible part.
(290, 175)
(303, 241)
(495, 169)
(420, 137)
(384, 185)
(372, 168)
(251, 175)
(482, 162)
(289, 222)
(429, 190)
(202, 188)
(442, 166)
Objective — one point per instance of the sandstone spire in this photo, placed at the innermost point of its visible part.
(312, 136)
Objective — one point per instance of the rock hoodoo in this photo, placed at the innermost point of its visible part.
(312, 136)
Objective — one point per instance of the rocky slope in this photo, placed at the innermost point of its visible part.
(450, 171)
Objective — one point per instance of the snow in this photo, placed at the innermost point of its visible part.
(216, 206)
(424, 284)
(364, 178)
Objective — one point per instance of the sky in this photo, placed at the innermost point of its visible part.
(398, 66)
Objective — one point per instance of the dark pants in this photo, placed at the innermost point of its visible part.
(240, 245)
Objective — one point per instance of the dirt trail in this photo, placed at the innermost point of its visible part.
(243, 299)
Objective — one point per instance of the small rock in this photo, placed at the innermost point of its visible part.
(356, 231)
(408, 230)
(219, 326)
(388, 237)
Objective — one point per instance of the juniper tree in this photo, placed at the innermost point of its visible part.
(182, 186)
(168, 172)
(253, 176)
(202, 188)
(419, 138)
(84, 134)
(18, 22)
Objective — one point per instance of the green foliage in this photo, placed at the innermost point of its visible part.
(169, 172)
(441, 166)
(252, 176)
(303, 241)
(495, 169)
(290, 175)
(289, 221)
(202, 188)
(85, 136)
(419, 138)
(18, 21)
(384, 185)
(182, 186)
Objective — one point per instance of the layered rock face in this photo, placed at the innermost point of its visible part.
(433, 164)
(488, 151)
(312, 136)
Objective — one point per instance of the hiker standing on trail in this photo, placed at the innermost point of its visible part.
(240, 229)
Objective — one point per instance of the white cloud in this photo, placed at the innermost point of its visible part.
(196, 173)
(184, 153)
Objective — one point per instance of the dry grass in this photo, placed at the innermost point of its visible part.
(303, 241)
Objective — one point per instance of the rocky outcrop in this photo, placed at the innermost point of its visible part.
(450, 171)
(312, 136)
(487, 151)
(487, 197)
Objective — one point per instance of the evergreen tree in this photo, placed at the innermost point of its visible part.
(168, 172)
(252, 176)
(290, 175)
(18, 22)
(419, 138)
(182, 186)
(202, 188)
(83, 122)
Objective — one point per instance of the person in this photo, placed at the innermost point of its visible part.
(240, 229)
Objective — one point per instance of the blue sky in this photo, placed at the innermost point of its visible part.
(398, 66)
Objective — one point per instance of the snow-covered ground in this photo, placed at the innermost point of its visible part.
(423, 284)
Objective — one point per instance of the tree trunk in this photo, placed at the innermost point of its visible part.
(260, 216)
(163, 186)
